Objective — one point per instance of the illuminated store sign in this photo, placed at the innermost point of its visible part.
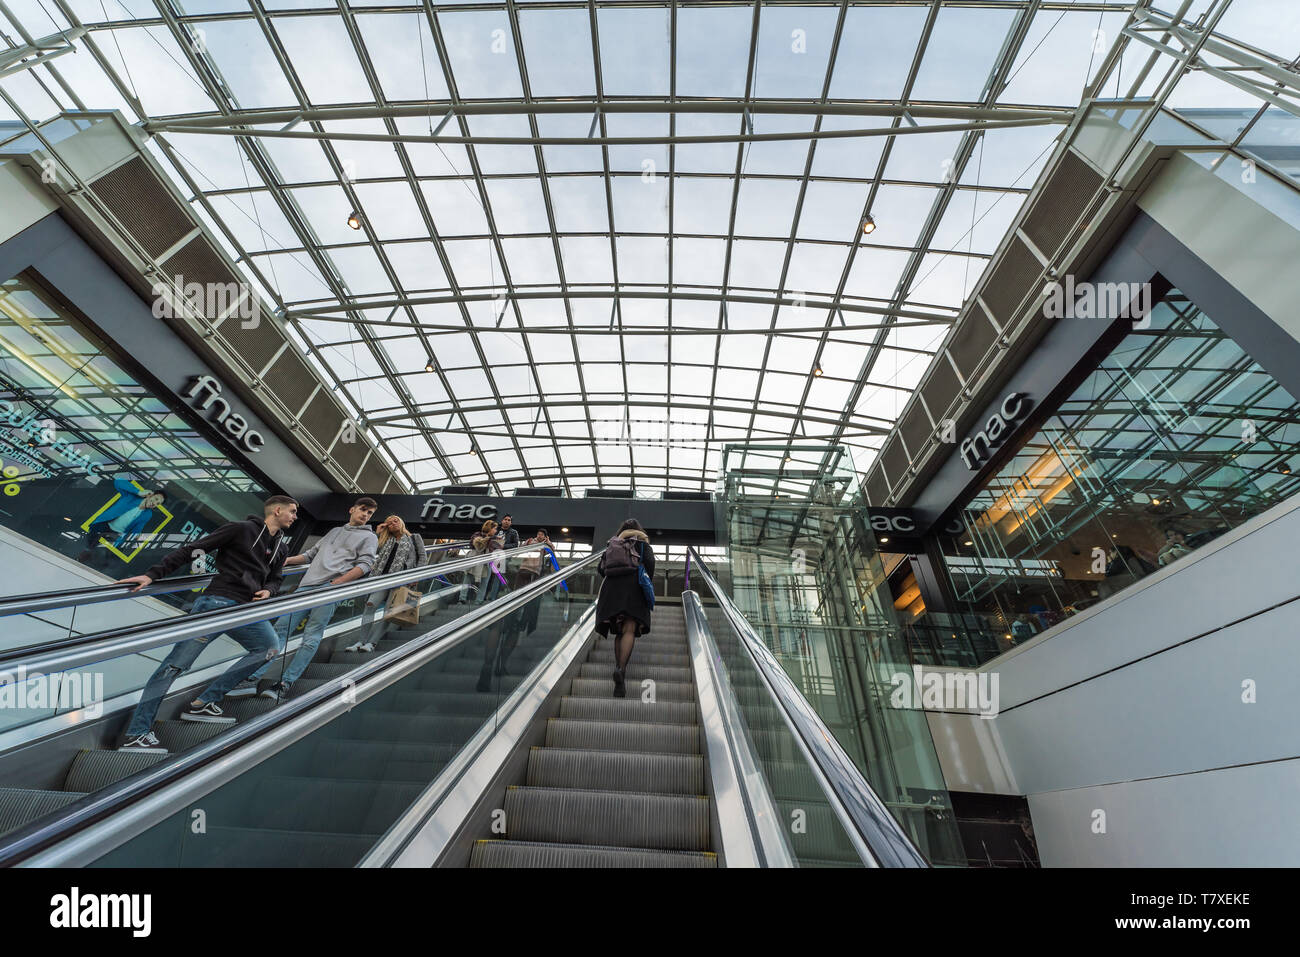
(976, 449)
(451, 510)
(234, 424)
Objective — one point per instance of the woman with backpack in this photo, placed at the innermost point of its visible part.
(396, 553)
(623, 607)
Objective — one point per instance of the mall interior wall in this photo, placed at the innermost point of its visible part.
(1158, 726)
(1158, 729)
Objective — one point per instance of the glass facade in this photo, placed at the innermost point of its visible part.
(96, 465)
(1177, 437)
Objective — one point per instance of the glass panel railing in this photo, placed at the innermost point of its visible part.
(327, 798)
(815, 836)
(27, 697)
(811, 779)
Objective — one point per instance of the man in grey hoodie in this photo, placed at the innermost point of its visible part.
(343, 555)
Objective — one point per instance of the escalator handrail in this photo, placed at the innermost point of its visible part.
(878, 837)
(270, 732)
(112, 591)
(59, 656)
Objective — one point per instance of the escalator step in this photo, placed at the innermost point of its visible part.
(616, 771)
(445, 702)
(628, 709)
(18, 806)
(448, 682)
(321, 804)
(395, 726)
(92, 770)
(636, 672)
(241, 709)
(225, 846)
(601, 655)
(528, 854)
(663, 822)
(604, 688)
(375, 760)
(650, 646)
(623, 736)
(183, 735)
(326, 669)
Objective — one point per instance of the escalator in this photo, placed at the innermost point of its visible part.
(487, 736)
(618, 782)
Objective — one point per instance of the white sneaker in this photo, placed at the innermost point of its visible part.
(147, 742)
(368, 647)
(355, 646)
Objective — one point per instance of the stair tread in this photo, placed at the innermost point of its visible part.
(589, 855)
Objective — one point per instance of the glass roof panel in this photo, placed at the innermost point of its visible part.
(681, 159)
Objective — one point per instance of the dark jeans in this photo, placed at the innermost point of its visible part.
(259, 640)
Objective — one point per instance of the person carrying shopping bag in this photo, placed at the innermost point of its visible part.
(397, 552)
(480, 544)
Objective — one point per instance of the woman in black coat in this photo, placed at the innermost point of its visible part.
(621, 608)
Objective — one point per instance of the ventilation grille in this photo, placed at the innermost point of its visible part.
(970, 341)
(874, 489)
(374, 478)
(321, 419)
(149, 214)
(554, 491)
(1016, 273)
(291, 380)
(609, 493)
(915, 429)
(1071, 189)
(941, 387)
(670, 496)
(464, 490)
(350, 455)
(894, 460)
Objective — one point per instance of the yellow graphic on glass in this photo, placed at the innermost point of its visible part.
(143, 538)
(11, 485)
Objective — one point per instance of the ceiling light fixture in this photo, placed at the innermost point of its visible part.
(354, 220)
(868, 225)
(968, 543)
(429, 366)
(817, 370)
(564, 530)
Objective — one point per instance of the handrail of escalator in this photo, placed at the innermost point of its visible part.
(93, 594)
(270, 732)
(878, 837)
(57, 656)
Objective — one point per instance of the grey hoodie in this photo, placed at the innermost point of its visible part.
(340, 550)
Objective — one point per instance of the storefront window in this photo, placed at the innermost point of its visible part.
(95, 465)
(1176, 438)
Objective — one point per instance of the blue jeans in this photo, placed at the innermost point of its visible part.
(317, 619)
(259, 640)
(490, 587)
(373, 623)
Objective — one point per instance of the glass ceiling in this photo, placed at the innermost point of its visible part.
(598, 241)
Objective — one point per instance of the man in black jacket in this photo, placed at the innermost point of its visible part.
(250, 562)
